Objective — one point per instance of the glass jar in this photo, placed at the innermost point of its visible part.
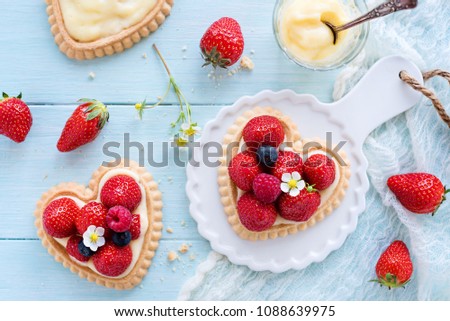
(307, 41)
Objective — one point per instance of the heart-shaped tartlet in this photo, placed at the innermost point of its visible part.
(107, 232)
(86, 29)
(274, 183)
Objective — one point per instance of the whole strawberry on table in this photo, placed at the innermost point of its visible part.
(15, 118)
(420, 193)
(223, 43)
(394, 267)
(84, 125)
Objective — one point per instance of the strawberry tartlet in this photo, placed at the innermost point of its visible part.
(107, 232)
(276, 183)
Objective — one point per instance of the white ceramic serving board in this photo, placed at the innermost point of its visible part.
(378, 97)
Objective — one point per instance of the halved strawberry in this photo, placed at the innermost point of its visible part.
(135, 228)
(243, 169)
(287, 162)
(59, 217)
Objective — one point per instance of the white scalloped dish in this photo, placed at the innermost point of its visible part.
(349, 120)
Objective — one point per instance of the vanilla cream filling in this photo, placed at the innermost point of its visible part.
(136, 245)
(90, 20)
(324, 195)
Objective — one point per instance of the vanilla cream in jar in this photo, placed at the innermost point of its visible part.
(305, 38)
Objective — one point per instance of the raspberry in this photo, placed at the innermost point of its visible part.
(266, 188)
(254, 214)
(243, 169)
(119, 218)
(121, 190)
(112, 260)
(59, 217)
(135, 228)
(72, 248)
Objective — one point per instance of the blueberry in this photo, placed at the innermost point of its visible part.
(121, 238)
(84, 250)
(267, 155)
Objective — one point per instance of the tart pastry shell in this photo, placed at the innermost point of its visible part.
(108, 45)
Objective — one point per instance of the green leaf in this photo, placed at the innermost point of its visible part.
(86, 100)
(5, 95)
(93, 114)
(20, 95)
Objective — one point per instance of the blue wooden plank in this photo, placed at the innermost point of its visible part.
(31, 168)
(30, 273)
(31, 62)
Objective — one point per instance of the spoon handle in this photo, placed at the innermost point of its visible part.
(380, 11)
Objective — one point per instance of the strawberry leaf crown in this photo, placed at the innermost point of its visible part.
(5, 96)
(214, 58)
(444, 197)
(391, 281)
(96, 109)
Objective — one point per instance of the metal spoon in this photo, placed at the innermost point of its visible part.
(380, 11)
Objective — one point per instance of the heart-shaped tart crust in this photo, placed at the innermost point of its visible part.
(97, 29)
(230, 193)
(143, 247)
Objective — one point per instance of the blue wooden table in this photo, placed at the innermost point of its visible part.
(51, 83)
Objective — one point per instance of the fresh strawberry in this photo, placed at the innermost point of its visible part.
(112, 260)
(319, 171)
(394, 267)
(301, 207)
(263, 130)
(121, 190)
(222, 44)
(135, 228)
(72, 248)
(15, 118)
(84, 125)
(255, 215)
(93, 213)
(59, 217)
(287, 162)
(266, 188)
(420, 193)
(119, 218)
(243, 169)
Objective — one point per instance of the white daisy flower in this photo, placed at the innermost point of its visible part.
(292, 183)
(190, 129)
(93, 237)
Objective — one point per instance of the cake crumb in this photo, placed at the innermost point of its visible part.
(183, 248)
(192, 257)
(172, 256)
(144, 55)
(174, 269)
(169, 230)
(92, 75)
(183, 223)
(141, 286)
(252, 52)
(184, 48)
(247, 63)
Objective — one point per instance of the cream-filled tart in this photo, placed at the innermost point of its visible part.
(86, 29)
(107, 232)
(272, 181)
